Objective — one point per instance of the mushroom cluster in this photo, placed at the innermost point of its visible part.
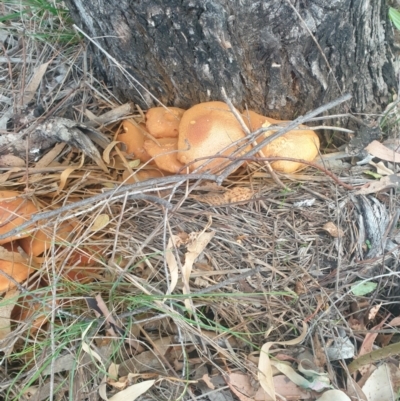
(201, 138)
(15, 210)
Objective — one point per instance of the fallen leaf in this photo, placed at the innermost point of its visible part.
(390, 181)
(208, 382)
(264, 365)
(354, 391)
(381, 168)
(50, 156)
(196, 246)
(379, 387)
(67, 172)
(319, 382)
(373, 311)
(34, 83)
(107, 151)
(372, 174)
(333, 230)
(100, 222)
(334, 395)
(88, 350)
(133, 392)
(174, 241)
(363, 287)
(376, 149)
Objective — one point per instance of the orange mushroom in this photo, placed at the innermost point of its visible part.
(300, 143)
(163, 122)
(18, 271)
(165, 154)
(39, 241)
(133, 137)
(14, 211)
(205, 130)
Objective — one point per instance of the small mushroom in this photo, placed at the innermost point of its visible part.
(165, 154)
(163, 122)
(133, 136)
(299, 144)
(14, 211)
(205, 130)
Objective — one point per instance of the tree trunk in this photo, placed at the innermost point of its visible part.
(277, 57)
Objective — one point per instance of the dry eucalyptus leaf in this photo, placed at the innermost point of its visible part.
(334, 395)
(264, 364)
(174, 241)
(133, 392)
(333, 230)
(390, 181)
(100, 222)
(381, 168)
(196, 246)
(377, 149)
(34, 83)
(378, 386)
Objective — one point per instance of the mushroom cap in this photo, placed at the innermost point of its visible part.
(165, 154)
(39, 241)
(299, 143)
(133, 136)
(163, 122)
(205, 130)
(254, 121)
(18, 271)
(14, 211)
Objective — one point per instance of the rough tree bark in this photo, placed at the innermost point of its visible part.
(278, 57)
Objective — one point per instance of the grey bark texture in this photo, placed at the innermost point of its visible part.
(277, 57)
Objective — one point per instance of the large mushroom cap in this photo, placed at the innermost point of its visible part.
(299, 144)
(163, 122)
(205, 130)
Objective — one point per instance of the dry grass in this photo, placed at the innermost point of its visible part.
(270, 265)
